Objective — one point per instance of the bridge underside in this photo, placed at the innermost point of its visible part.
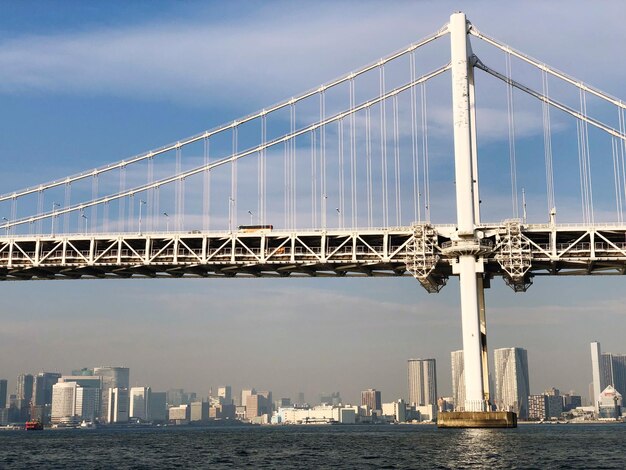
(512, 250)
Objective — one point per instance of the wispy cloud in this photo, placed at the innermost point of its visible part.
(268, 55)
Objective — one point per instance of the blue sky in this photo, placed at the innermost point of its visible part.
(84, 83)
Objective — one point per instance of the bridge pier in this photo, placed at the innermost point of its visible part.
(468, 247)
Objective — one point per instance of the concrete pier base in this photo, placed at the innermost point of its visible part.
(477, 419)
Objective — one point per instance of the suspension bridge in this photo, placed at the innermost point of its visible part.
(359, 177)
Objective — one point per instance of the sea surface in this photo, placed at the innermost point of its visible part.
(360, 447)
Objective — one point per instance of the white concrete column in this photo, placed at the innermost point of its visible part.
(465, 205)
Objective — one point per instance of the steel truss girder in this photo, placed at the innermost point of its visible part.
(514, 255)
(422, 256)
(520, 251)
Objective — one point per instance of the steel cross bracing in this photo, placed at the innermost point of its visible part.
(515, 251)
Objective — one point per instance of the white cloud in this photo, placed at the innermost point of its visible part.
(278, 51)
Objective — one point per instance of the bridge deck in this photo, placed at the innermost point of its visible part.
(545, 249)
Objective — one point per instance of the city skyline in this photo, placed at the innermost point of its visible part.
(167, 330)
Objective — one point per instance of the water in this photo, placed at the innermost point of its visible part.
(358, 447)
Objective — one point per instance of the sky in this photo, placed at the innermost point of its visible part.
(85, 83)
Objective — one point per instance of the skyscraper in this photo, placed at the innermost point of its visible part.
(3, 393)
(112, 377)
(72, 402)
(140, 398)
(458, 380)
(42, 387)
(225, 395)
(372, 399)
(422, 382)
(595, 372)
(512, 384)
(24, 395)
(607, 369)
(117, 407)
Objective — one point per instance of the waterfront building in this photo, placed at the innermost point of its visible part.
(371, 398)
(94, 384)
(512, 383)
(42, 387)
(610, 403)
(64, 403)
(537, 407)
(257, 405)
(317, 415)
(607, 369)
(199, 411)
(112, 377)
(555, 403)
(179, 414)
(395, 409)
(458, 380)
(24, 395)
(140, 401)
(268, 400)
(3, 393)
(225, 395)
(245, 393)
(422, 375)
(72, 403)
(571, 401)
(117, 405)
(158, 407)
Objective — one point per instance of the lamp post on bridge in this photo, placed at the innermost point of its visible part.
(251, 214)
(85, 218)
(141, 204)
(7, 228)
(167, 222)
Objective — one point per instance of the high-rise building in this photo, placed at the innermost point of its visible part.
(24, 395)
(257, 405)
(3, 393)
(117, 407)
(422, 382)
(158, 406)
(607, 369)
(512, 383)
(245, 393)
(140, 398)
(72, 402)
(199, 411)
(24, 389)
(537, 407)
(372, 399)
(42, 387)
(112, 377)
(225, 395)
(176, 397)
(93, 384)
(458, 380)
